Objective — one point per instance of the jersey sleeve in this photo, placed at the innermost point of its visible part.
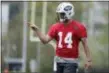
(83, 32)
(52, 32)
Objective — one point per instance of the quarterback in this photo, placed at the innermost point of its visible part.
(68, 33)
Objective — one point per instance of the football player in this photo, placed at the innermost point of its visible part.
(68, 33)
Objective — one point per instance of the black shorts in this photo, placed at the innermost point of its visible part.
(67, 67)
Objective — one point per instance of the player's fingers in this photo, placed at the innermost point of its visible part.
(87, 66)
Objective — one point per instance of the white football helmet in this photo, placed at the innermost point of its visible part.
(65, 10)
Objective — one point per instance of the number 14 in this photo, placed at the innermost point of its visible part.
(67, 39)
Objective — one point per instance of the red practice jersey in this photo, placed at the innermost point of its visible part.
(67, 38)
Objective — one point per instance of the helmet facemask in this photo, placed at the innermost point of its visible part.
(62, 17)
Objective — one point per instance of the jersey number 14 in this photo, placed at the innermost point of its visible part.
(67, 40)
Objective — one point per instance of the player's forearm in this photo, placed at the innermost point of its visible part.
(42, 37)
(86, 49)
(87, 52)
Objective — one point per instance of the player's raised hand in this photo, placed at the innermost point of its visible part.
(32, 26)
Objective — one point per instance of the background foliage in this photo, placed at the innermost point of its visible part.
(98, 43)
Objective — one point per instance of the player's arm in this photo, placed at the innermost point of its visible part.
(44, 38)
(86, 49)
(87, 53)
(83, 37)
